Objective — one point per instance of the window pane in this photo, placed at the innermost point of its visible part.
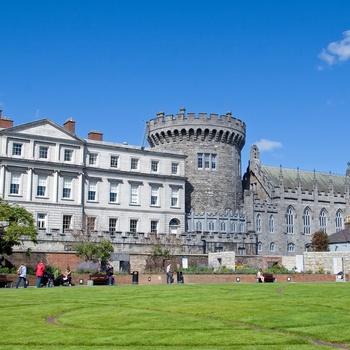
(134, 163)
(17, 149)
(154, 165)
(133, 225)
(92, 159)
(68, 155)
(67, 222)
(114, 161)
(154, 226)
(43, 151)
(174, 168)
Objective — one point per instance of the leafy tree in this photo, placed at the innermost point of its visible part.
(91, 251)
(320, 241)
(159, 255)
(16, 221)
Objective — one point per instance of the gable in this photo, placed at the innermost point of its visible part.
(42, 128)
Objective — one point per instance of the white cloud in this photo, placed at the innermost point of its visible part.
(337, 51)
(267, 145)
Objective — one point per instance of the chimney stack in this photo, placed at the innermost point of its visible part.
(70, 125)
(95, 135)
(5, 122)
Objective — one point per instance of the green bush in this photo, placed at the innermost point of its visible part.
(6, 270)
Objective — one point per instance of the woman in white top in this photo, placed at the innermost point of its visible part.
(22, 275)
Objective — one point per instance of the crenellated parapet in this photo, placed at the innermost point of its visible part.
(191, 127)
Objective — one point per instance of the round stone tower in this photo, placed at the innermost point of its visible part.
(213, 147)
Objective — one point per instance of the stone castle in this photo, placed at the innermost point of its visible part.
(187, 187)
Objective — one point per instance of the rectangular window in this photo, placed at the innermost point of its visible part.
(134, 164)
(92, 191)
(174, 197)
(154, 166)
(67, 223)
(207, 161)
(133, 225)
(68, 155)
(90, 223)
(114, 161)
(134, 194)
(113, 194)
(41, 221)
(92, 159)
(213, 161)
(15, 182)
(154, 226)
(43, 152)
(41, 190)
(200, 160)
(154, 195)
(17, 149)
(67, 188)
(174, 168)
(113, 224)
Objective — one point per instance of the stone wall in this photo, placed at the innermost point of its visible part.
(222, 259)
(328, 262)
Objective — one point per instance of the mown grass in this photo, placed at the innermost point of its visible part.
(219, 316)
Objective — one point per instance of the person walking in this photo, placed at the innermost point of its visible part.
(109, 274)
(22, 275)
(169, 276)
(40, 270)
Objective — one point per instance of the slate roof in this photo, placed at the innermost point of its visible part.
(340, 237)
(307, 178)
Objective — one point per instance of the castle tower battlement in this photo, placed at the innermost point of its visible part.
(213, 147)
(182, 126)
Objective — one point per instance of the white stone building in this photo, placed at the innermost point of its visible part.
(74, 185)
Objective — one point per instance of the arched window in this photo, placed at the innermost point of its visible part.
(211, 226)
(259, 247)
(241, 227)
(271, 224)
(198, 226)
(258, 223)
(222, 226)
(323, 220)
(174, 226)
(307, 221)
(233, 226)
(338, 221)
(290, 247)
(290, 220)
(272, 247)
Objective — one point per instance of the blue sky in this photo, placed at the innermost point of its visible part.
(282, 67)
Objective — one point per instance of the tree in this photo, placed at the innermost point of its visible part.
(91, 251)
(158, 256)
(320, 241)
(16, 221)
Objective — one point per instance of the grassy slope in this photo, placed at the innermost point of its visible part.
(241, 316)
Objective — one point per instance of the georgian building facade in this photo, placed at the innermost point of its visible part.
(77, 186)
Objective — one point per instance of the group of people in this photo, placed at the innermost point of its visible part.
(40, 273)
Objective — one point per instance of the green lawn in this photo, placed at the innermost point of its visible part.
(218, 316)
